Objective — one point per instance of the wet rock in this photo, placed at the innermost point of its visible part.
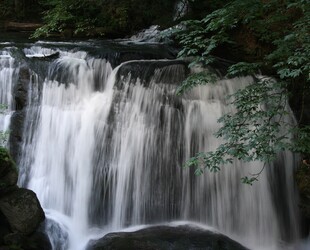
(37, 241)
(165, 237)
(22, 210)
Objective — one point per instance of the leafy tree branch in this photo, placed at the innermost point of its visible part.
(258, 129)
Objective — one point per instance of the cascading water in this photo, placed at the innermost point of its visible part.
(8, 72)
(103, 150)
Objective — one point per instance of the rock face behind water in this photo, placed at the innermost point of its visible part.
(164, 238)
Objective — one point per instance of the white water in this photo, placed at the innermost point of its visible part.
(8, 72)
(104, 154)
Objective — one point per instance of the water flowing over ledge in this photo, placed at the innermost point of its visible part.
(103, 147)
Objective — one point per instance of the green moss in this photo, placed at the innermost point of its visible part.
(6, 161)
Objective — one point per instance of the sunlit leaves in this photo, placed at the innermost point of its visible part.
(193, 80)
(302, 140)
(243, 68)
(248, 180)
(199, 38)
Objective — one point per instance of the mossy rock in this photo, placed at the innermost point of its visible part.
(6, 162)
(8, 172)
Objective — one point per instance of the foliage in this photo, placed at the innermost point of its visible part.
(101, 17)
(4, 156)
(193, 80)
(61, 15)
(20, 10)
(6, 159)
(280, 33)
(4, 137)
(6, 8)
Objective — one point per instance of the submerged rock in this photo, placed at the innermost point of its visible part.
(165, 237)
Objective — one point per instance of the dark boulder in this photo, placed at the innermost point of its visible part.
(165, 237)
(22, 210)
(36, 241)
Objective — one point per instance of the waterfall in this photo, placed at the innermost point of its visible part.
(8, 72)
(103, 149)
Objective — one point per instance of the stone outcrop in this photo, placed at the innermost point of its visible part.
(165, 237)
